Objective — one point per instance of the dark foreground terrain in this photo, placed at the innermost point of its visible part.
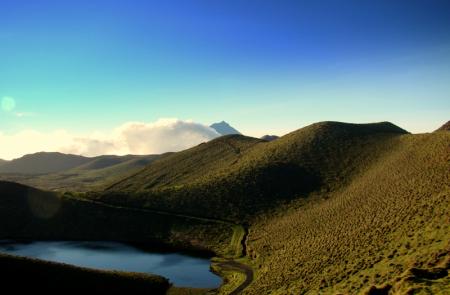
(23, 274)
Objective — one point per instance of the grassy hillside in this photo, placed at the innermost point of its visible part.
(182, 168)
(332, 207)
(388, 228)
(19, 274)
(40, 163)
(237, 177)
(95, 174)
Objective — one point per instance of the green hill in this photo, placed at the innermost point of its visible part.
(236, 177)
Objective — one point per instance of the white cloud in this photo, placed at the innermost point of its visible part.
(23, 114)
(161, 136)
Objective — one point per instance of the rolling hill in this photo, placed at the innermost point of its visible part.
(330, 208)
(43, 162)
(92, 174)
(245, 176)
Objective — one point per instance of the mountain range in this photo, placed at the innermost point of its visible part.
(57, 171)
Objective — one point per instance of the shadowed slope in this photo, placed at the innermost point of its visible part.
(32, 214)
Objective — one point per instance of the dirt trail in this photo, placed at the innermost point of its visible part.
(236, 266)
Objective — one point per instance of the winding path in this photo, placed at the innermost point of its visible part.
(236, 266)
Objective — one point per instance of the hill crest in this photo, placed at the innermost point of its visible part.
(445, 127)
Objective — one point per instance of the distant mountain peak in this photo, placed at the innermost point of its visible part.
(224, 128)
(269, 137)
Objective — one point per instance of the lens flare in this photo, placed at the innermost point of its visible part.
(8, 104)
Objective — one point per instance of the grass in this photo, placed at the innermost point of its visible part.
(393, 216)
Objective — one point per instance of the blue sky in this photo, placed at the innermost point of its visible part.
(264, 66)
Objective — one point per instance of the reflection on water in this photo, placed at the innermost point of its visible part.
(181, 269)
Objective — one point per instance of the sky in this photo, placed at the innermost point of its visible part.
(83, 76)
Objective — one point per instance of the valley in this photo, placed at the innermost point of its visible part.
(330, 208)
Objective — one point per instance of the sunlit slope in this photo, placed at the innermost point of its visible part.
(389, 227)
(202, 161)
(235, 177)
(40, 163)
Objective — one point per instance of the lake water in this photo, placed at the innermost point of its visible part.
(181, 269)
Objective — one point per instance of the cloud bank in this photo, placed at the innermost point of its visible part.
(164, 135)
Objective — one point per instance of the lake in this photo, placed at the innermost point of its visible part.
(181, 269)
